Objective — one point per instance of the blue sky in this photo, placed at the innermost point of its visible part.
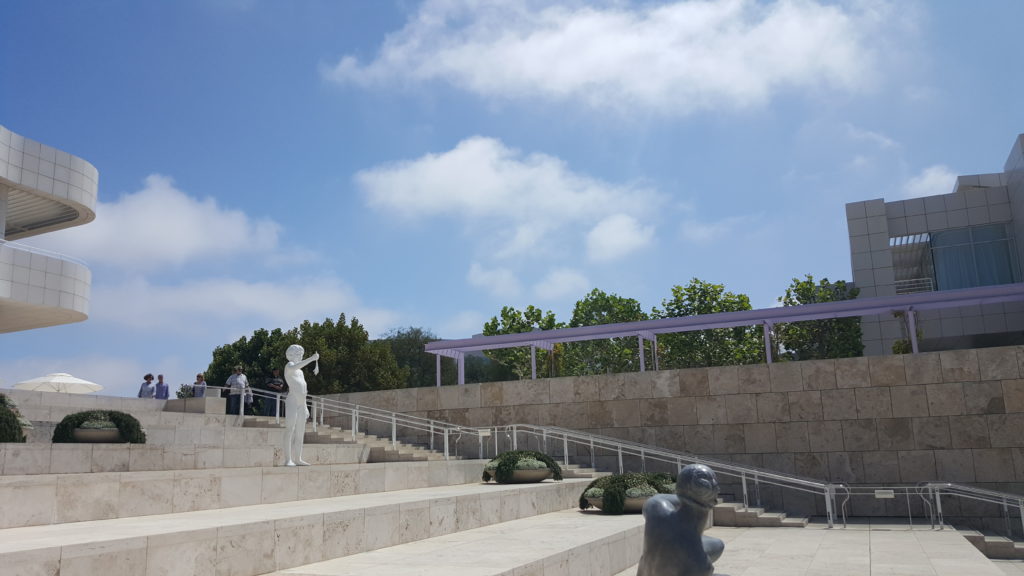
(425, 163)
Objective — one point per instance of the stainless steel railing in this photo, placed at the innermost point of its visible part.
(584, 448)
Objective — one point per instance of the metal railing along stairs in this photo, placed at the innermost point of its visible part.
(584, 448)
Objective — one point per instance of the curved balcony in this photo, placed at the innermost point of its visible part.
(46, 189)
(42, 189)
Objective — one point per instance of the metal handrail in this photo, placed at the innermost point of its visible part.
(749, 476)
(1003, 499)
(323, 409)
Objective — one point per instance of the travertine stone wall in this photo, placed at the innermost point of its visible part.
(956, 415)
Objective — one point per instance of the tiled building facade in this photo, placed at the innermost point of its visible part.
(970, 237)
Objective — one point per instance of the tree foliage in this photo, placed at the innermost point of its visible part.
(408, 347)
(517, 359)
(349, 360)
(603, 356)
(716, 347)
(818, 339)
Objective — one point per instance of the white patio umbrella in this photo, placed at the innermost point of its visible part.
(59, 382)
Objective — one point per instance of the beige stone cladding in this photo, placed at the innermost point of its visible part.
(953, 415)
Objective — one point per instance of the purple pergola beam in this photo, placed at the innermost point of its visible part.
(765, 317)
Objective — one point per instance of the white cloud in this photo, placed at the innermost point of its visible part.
(560, 283)
(936, 179)
(616, 236)
(161, 226)
(877, 138)
(499, 282)
(140, 304)
(707, 232)
(464, 324)
(516, 202)
(675, 58)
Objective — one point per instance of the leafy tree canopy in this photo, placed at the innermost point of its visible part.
(818, 339)
(514, 321)
(604, 356)
(718, 347)
(349, 360)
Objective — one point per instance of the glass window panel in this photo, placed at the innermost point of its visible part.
(986, 233)
(993, 263)
(954, 267)
(951, 237)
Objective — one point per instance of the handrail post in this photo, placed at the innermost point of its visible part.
(620, 458)
(829, 503)
(277, 407)
(313, 403)
(544, 437)
(938, 507)
(355, 422)
(446, 443)
(432, 433)
(593, 458)
(743, 477)
(515, 438)
(565, 449)
(496, 441)
(1020, 508)
(394, 430)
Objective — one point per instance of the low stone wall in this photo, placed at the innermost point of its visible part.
(956, 416)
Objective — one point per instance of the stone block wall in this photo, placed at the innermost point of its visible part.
(955, 415)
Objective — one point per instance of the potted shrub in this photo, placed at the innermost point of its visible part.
(625, 493)
(516, 466)
(99, 426)
(12, 423)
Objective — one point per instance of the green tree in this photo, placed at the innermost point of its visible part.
(407, 346)
(258, 355)
(818, 339)
(603, 356)
(517, 359)
(349, 360)
(716, 347)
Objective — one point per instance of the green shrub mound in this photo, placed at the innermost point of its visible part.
(130, 429)
(500, 468)
(615, 488)
(11, 427)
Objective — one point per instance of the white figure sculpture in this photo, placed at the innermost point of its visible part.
(295, 403)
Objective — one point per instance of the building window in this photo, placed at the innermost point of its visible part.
(977, 256)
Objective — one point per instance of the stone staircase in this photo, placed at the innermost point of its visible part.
(206, 497)
(994, 546)
(736, 515)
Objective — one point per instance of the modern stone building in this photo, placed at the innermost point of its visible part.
(969, 237)
(42, 189)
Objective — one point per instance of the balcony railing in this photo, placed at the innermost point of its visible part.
(915, 285)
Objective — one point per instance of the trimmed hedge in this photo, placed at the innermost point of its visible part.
(10, 423)
(131, 430)
(614, 487)
(504, 465)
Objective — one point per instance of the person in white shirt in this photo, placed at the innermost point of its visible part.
(236, 384)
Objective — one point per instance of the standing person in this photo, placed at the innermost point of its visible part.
(199, 388)
(146, 390)
(161, 388)
(295, 422)
(275, 384)
(236, 385)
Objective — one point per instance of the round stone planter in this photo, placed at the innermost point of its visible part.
(527, 476)
(630, 506)
(97, 435)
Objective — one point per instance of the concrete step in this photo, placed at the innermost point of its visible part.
(565, 542)
(57, 498)
(736, 515)
(258, 539)
(29, 459)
